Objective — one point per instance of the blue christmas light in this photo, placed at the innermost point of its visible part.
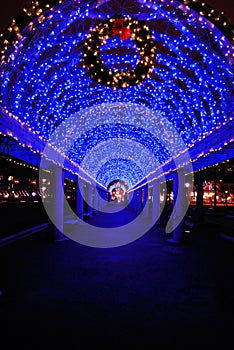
(44, 81)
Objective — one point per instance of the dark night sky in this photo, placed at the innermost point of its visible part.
(12, 8)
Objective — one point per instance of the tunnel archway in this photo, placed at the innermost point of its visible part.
(44, 81)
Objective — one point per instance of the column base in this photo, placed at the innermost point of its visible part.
(61, 239)
(59, 236)
(173, 240)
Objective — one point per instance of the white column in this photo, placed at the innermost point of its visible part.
(134, 200)
(131, 200)
(102, 199)
(178, 205)
(99, 199)
(95, 199)
(146, 202)
(90, 199)
(155, 202)
(127, 198)
(139, 198)
(58, 202)
(136, 195)
(199, 210)
(80, 199)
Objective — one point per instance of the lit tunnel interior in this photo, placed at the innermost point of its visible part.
(118, 133)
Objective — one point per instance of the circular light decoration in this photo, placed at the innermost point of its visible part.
(126, 28)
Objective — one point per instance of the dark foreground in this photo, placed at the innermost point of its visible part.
(147, 294)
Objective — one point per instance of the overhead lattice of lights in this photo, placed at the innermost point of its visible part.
(44, 81)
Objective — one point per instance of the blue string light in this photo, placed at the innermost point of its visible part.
(43, 80)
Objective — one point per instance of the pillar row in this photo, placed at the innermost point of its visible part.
(145, 192)
(179, 203)
(80, 199)
(155, 202)
(57, 208)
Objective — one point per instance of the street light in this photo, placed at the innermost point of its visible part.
(226, 193)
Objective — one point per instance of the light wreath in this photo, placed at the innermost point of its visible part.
(125, 28)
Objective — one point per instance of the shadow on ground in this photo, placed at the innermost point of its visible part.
(147, 293)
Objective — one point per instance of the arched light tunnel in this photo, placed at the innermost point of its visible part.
(130, 133)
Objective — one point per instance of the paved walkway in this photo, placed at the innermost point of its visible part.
(145, 294)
